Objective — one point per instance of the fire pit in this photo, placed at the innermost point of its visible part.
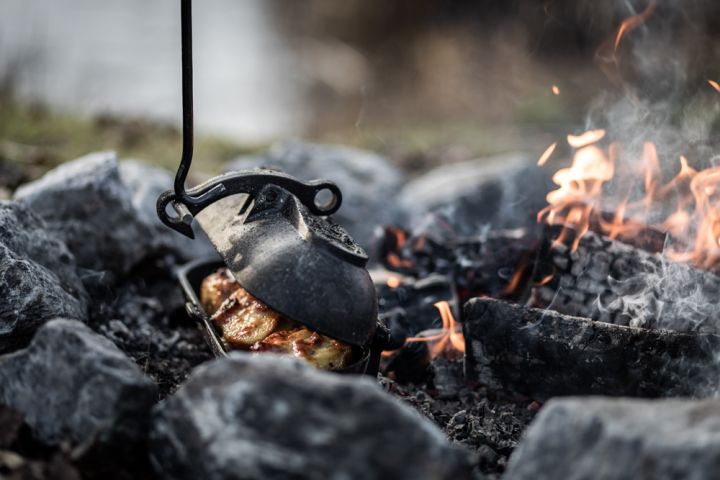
(610, 286)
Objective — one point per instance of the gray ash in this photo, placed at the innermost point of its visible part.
(144, 316)
(473, 416)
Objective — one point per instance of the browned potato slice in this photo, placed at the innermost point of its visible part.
(321, 351)
(216, 288)
(244, 320)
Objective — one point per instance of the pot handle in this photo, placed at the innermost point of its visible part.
(187, 204)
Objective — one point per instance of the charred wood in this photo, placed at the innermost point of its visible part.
(409, 364)
(408, 307)
(491, 264)
(542, 353)
(610, 281)
(638, 235)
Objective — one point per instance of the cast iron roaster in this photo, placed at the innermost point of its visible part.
(272, 233)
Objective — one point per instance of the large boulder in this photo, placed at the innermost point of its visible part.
(74, 386)
(368, 181)
(614, 439)
(38, 280)
(271, 417)
(104, 213)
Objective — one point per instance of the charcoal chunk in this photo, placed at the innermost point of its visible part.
(272, 417)
(75, 386)
(636, 287)
(587, 438)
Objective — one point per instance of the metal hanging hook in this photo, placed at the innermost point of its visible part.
(187, 98)
(187, 203)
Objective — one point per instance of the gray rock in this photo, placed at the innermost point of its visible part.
(271, 417)
(503, 191)
(85, 203)
(105, 217)
(24, 233)
(368, 181)
(38, 280)
(75, 386)
(599, 438)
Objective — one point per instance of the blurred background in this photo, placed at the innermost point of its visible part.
(421, 81)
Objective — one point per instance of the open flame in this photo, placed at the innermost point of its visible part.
(631, 23)
(448, 337)
(686, 209)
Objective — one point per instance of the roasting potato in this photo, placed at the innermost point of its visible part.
(247, 323)
(217, 288)
(321, 351)
(244, 320)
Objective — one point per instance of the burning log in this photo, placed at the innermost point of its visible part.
(613, 282)
(541, 354)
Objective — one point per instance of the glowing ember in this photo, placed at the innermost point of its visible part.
(546, 154)
(395, 261)
(545, 280)
(555, 89)
(514, 282)
(714, 84)
(449, 336)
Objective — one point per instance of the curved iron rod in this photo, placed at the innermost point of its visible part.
(187, 98)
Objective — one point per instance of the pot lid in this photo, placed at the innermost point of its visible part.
(299, 264)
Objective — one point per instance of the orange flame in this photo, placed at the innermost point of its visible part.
(448, 336)
(514, 282)
(579, 192)
(705, 186)
(545, 280)
(631, 23)
(395, 261)
(606, 55)
(687, 208)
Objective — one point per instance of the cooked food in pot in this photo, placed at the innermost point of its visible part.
(319, 350)
(217, 288)
(243, 320)
(247, 323)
